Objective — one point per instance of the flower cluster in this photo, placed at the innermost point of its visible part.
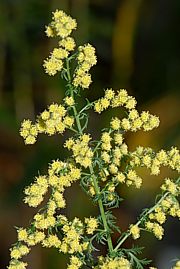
(18, 252)
(70, 240)
(16, 264)
(36, 191)
(168, 206)
(73, 233)
(60, 175)
(86, 59)
(75, 263)
(29, 132)
(113, 153)
(171, 187)
(135, 121)
(135, 231)
(157, 218)
(61, 26)
(92, 225)
(82, 153)
(153, 161)
(53, 120)
(152, 219)
(30, 236)
(117, 263)
(99, 165)
(115, 99)
(26, 239)
(156, 229)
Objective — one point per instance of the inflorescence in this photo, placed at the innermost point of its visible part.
(100, 166)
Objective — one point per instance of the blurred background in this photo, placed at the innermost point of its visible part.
(137, 44)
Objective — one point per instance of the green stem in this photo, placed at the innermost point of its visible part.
(101, 208)
(77, 119)
(122, 241)
(72, 95)
(97, 190)
(141, 219)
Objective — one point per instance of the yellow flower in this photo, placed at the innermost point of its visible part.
(105, 156)
(120, 177)
(133, 114)
(82, 152)
(92, 225)
(86, 59)
(105, 103)
(68, 121)
(118, 138)
(135, 231)
(110, 263)
(59, 53)
(136, 124)
(29, 132)
(98, 107)
(51, 241)
(15, 253)
(24, 250)
(146, 160)
(115, 123)
(145, 116)
(126, 125)
(36, 192)
(160, 217)
(22, 234)
(59, 199)
(109, 94)
(158, 231)
(106, 138)
(52, 66)
(49, 31)
(75, 262)
(83, 81)
(69, 143)
(63, 24)
(15, 264)
(18, 252)
(130, 103)
(68, 43)
(69, 101)
(162, 156)
(113, 169)
(45, 115)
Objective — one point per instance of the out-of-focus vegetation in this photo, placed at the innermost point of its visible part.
(137, 45)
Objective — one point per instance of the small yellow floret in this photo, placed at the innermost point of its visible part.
(68, 43)
(92, 225)
(22, 234)
(115, 124)
(69, 101)
(135, 231)
(52, 66)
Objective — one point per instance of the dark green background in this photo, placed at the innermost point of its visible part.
(138, 48)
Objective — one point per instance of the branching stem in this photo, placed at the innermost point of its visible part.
(141, 219)
(96, 187)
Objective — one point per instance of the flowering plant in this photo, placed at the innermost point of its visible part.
(100, 166)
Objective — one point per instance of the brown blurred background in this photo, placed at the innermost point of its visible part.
(137, 44)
